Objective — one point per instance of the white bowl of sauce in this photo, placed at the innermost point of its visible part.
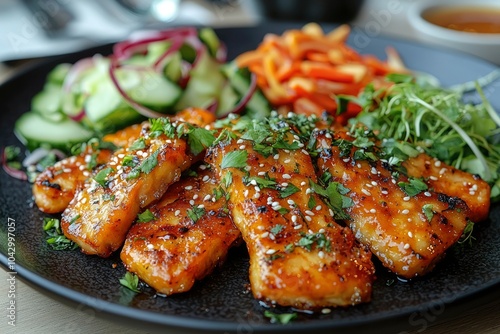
(465, 25)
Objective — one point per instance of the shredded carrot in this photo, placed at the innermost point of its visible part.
(305, 69)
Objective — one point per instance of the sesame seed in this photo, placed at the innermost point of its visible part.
(384, 192)
(442, 171)
(319, 207)
(177, 212)
(309, 213)
(326, 311)
(261, 165)
(366, 192)
(207, 198)
(410, 234)
(369, 185)
(303, 151)
(308, 218)
(245, 193)
(201, 206)
(195, 196)
(287, 176)
(260, 227)
(321, 254)
(405, 211)
(248, 168)
(427, 194)
(214, 199)
(277, 207)
(150, 246)
(294, 218)
(303, 183)
(270, 251)
(406, 246)
(474, 187)
(205, 178)
(257, 188)
(203, 167)
(346, 159)
(189, 188)
(287, 161)
(308, 191)
(358, 165)
(321, 230)
(373, 211)
(330, 211)
(265, 234)
(191, 202)
(239, 141)
(374, 183)
(373, 170)
(242, 147)
(297, 227)
(437, 163)
(253, 182)
(433, 178)
(256, 195)
(261, 173)
(276, 156)
(406, 198)
(328, 135)
(284, 184)
(290, 201)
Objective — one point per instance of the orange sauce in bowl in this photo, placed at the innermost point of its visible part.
(484, 20)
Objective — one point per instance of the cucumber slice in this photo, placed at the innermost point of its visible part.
(204, 86)
(258, 107)
(227, 100)
(210, 39)
(34, 131)
(48, 101)
(58, 74)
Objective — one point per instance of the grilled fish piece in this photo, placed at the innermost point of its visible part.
(408, 233)
(299, 255)
(453, 182)
(191, 233)
(55, 187)
(99, 216)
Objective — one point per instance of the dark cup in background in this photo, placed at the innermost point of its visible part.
(339, 11)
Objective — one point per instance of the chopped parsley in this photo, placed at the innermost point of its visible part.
(467, 234)
(307, 241)
(130, 281)
(277, 229)
(150, 162)
(199, 139)
(334, 196)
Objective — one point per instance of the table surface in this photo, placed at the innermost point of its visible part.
(37, 312)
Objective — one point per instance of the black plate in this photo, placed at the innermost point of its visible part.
(222, 301)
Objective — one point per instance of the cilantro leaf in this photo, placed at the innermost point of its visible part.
(427, 209)
(236, 159)
(102, 176)
(130, 281)
(282, 318)
(277, 229)
(55, 238)
(290, 189)
(195, 213)
(413, 187)
(199, 139)
(146, 217)
(138, 144)
(150, 162)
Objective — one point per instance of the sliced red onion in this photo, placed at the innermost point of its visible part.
(160, 62)
(145, 111)
(78, 117)
(221, 53)
(15, 173)
(244, 100)
(35, 156)
(212, 107)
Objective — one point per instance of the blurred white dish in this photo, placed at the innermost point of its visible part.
(484, 45)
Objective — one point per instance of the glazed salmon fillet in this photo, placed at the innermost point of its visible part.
(100, 214)
(55, 187)
(191, 232)
(299, 255)
(405, 223)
